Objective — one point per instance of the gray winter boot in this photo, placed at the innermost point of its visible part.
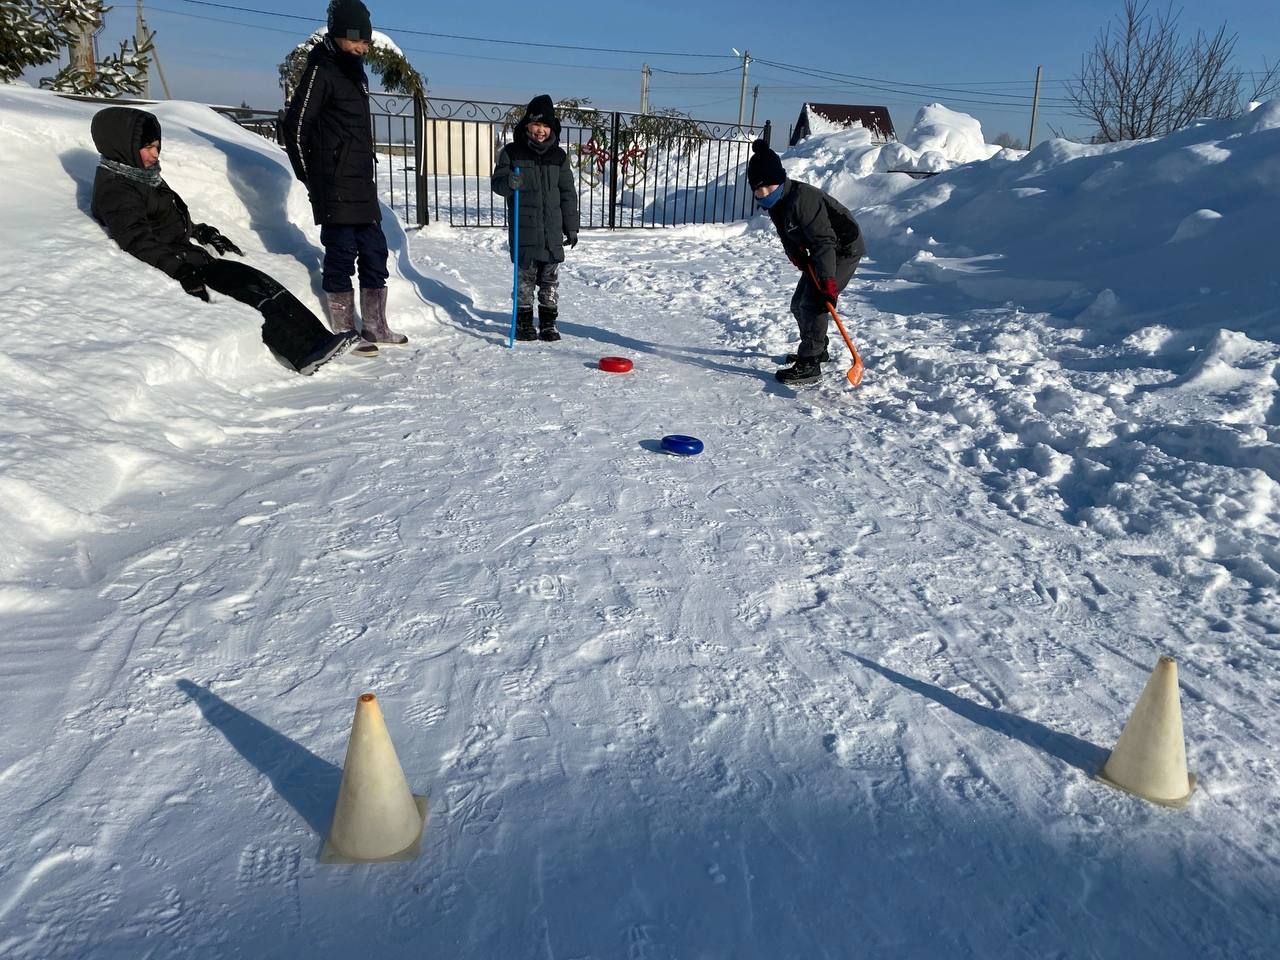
(342, 310)
(342, 318)
(373, 310)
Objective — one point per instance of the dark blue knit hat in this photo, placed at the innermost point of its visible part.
(764, 167)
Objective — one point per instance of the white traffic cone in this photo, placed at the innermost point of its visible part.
(377, 816)
(1150, 758)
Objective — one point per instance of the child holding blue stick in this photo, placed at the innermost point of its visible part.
(537, 166)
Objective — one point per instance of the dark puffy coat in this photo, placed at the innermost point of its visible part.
(548, 195)
(329, 138)
(150, 222)
(815, 227)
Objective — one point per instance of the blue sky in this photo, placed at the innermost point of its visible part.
(979, 57)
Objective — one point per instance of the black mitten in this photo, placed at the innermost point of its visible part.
(192, 279)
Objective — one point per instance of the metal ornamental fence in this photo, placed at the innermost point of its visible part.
(435, 158)
(631, 170)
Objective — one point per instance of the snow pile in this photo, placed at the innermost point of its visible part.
(844, 161)
(119, 356)
(1179, 227)
(942, 138)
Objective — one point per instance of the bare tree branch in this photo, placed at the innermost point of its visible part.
(1142, 80)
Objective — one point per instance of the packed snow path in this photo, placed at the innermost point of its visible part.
(811, 694)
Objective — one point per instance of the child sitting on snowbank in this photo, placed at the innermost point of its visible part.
(148, 219)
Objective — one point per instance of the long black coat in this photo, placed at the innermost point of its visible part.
(548, 196)
(814, 225)
(150, 222)
(329, 138)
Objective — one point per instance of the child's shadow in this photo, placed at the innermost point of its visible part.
(81, 166)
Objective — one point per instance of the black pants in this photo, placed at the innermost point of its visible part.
(351, 245)
(288, 327)
(810, 309)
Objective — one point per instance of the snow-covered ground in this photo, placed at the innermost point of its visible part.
(834, 688)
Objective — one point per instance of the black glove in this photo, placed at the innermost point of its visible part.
(204, 233)
(571, 239)
(515, 179)
(192, 280)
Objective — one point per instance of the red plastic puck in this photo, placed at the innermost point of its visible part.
(615, 364)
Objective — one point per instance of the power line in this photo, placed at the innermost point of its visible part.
(887, 87)
(456, 36)
(434, 53)
(697, 73)
(874, 83)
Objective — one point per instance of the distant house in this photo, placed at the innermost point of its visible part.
(823, 116)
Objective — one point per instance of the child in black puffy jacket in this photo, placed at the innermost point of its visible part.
(148, 219)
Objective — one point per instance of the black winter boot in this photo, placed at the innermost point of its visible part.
(800, 373)
(547, 323)
(330, 346)
(823, 357)
(525, 329)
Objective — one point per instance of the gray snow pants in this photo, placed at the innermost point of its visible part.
(810, 310)
(546, 277)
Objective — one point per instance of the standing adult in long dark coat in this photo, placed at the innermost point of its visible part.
(329, 138)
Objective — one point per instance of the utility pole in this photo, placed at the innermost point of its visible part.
(755, 95)
(140, 37)
(1035, 103)
(155, 56)
(645, 73)
(742, 91)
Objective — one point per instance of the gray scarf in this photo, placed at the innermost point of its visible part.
(148, 177)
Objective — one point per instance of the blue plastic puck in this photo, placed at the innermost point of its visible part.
(684, 446)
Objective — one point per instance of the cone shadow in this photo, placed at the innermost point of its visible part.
(306, 782)
(1078, 753)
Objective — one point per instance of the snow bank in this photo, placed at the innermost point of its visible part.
(128, 376)
(1180, 225)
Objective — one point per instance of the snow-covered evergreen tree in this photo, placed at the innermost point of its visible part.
(385, 60)
(33, 32)
(120, 73)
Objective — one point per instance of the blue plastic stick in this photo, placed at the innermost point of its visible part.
(515, 269)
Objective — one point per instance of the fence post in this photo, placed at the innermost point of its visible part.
(767, 133)
(420, 159)
(613, 173)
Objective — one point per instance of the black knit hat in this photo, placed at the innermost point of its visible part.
(540, 110)
(764, 167)
(349, 20)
